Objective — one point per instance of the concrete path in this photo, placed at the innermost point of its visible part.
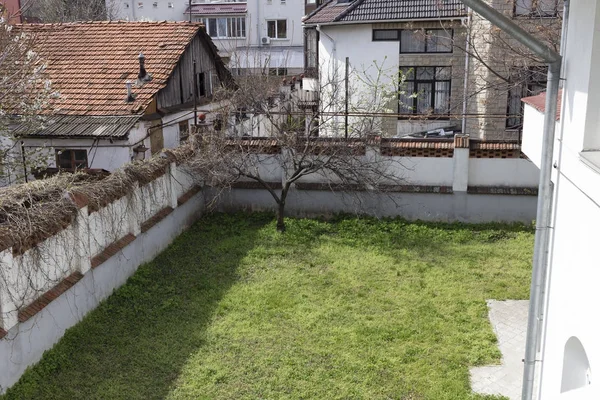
(509, 320)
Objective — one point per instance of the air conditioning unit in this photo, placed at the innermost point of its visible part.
(265, 40)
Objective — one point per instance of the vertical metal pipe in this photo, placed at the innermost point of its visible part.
(346, 97)
(542, 233)
(195, 94)
(24, 161)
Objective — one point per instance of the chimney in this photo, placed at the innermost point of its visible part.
(143, 76)
(130, 96)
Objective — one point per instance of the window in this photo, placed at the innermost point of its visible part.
(184, 131)
(222, 28)
(277, 29)
(71, 159)
(426, 90)
(170, 5)
(278, 71)
(140, 4)
(126, 5)
(155, 4)
(418, 41)
(524, 83)
(540, 8)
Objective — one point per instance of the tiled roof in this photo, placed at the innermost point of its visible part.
(89, 62)
(385, 10)
(218, 9)
(83, 127)
(539, 103)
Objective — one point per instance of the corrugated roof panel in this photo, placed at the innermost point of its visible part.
(82, 127)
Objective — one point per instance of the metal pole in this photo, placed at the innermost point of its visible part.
(542, 233)
(195, 91)
(23, 158)
(346, 98)
(195, 95)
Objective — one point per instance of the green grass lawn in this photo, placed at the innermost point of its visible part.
(346, 309)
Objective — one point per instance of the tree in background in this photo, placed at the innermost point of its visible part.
(273, 137)
(23, 99)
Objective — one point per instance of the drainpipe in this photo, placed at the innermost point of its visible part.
(544, 204)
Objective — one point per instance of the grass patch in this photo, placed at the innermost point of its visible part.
(344, 309)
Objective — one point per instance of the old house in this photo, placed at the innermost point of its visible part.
(453, 71)
(125, 89)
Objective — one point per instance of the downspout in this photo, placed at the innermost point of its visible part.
(541, 339)
(544, 204)
(466, 77)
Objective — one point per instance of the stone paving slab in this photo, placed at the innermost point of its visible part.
(509, 320)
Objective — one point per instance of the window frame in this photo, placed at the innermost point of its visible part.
(277, 34)
(414, 107)
(72, 159)
(534, 12)
(526, 89)
(427, 36)
(238, 27)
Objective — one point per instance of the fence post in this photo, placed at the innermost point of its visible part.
(82, 241)
(460, 180)
(136, 211)
(9, 313)
(174, 185)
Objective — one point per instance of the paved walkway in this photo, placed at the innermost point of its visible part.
(509, 320)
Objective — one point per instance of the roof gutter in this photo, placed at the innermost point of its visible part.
(385, 21)
(544, 204)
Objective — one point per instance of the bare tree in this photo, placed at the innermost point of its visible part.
(23, 99)
(500, 67)
(278, 136)
(55, 11)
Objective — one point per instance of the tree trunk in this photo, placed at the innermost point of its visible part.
(280, 221)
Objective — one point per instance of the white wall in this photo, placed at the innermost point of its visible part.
(29, 275)
(506, 172)
(573, 275)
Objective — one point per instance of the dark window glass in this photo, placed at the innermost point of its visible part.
(426, 90)
(385, 34)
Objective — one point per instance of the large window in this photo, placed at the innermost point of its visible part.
(417, 41)
(425, 90)
(524, 83)
(71, 159)
(277, 29)
(542, 8)
(225, 28)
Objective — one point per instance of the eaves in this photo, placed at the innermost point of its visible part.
(384, 21)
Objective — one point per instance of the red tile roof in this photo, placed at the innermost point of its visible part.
(539, 103)
(89, 62)
(218, 9)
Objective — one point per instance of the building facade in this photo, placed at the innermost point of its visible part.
(115, 104)
(452, 70)
(254, 36)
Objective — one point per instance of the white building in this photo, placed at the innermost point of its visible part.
(570, 350)
(94, 122)
(425, 39)
(257, 35)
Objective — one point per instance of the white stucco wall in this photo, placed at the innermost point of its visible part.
(573, 276)
(509, 172)
(37, 270)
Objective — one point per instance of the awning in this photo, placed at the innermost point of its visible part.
(268, 57)
(76, 126)
(218, 9)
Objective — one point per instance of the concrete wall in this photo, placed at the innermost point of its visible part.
(460, 206)
(27, 277)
